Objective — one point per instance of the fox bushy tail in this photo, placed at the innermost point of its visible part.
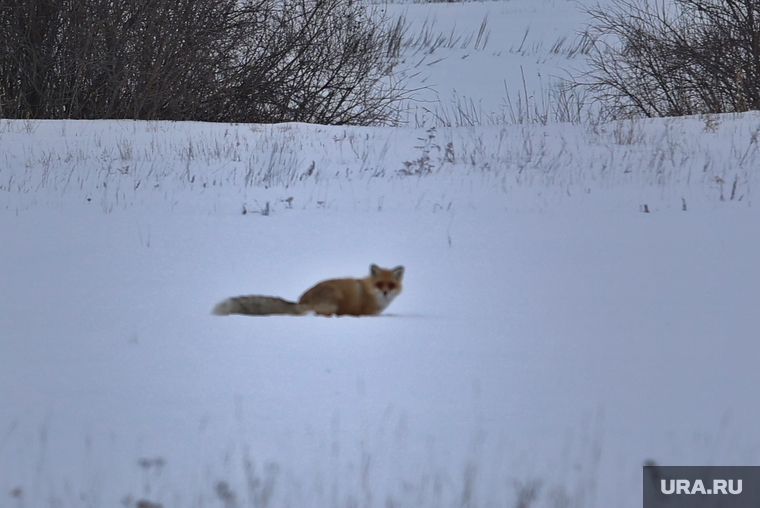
(255, 305)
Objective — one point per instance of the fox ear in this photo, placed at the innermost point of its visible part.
(374, 270)
(398, 272)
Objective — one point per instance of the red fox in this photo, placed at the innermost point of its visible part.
(354, 297)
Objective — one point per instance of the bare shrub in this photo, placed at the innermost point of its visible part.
(675, 57)
(321, 61)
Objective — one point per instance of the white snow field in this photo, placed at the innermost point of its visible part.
(579, 298)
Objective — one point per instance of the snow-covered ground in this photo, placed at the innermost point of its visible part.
(578, 299)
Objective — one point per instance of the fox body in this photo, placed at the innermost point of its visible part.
(354, 297)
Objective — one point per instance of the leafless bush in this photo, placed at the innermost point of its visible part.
(321, 61)
(676, 57)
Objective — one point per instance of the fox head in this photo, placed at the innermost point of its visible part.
(386, 284)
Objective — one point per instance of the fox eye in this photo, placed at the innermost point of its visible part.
(386, 286)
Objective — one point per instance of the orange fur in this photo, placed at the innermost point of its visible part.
(355, 297)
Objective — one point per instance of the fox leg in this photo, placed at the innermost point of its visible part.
(325, 309)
